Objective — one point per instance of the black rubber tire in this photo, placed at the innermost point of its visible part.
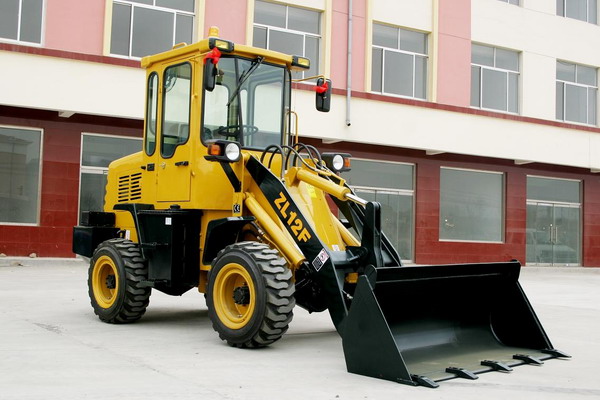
(130, 299)
(274, 303)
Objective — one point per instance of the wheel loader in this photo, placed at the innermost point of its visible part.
(223, 198)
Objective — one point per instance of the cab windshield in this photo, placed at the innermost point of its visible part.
(248, 103)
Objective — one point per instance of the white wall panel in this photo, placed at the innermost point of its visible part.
(314, 4)
(520, 28)
(60, 84)
(416, 14)
(543, 37)
(424, 128)
(544, 6)
(538, 86)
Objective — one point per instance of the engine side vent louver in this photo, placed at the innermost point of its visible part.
(130, 188)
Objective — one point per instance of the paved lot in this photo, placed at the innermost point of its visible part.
(52, 346)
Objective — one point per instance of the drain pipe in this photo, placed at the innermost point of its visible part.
(349, 78)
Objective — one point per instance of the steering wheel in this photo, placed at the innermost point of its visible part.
(248, 130)
(206, 133)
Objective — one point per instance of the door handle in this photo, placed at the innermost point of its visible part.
(553, 234)
(148, 167)
(182, 163)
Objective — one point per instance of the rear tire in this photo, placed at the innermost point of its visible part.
(116, 271)
(250, 295)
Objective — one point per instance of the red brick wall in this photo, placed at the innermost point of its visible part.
(591, 222)
(60, 193)
(430, 250)
(59, 176)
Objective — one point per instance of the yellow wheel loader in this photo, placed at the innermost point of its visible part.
(222, 198)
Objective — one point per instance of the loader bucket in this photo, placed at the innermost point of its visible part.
(421, 325)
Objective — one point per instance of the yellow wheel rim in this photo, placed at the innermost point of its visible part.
(105, 281)
(232, 313)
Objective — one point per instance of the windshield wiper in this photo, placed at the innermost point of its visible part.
(244, 76)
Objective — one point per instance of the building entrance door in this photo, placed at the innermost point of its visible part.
(553, 234)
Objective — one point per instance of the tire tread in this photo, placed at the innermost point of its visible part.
(136, 297)
(279, 297)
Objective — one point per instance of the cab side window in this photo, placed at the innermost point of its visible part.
(151, 111)
(177, 87)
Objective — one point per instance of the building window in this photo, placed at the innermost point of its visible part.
(21, 21)
(471, 205)
(553, 221)
(494, 78)
(290, 30)
(576, 93)
(19, 175)
(583, 10)
(515, 2)
(144, 27)
(399, 63)
(392, 185)
(97, 151)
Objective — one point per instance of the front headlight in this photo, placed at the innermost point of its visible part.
(232, 151)
(223, 151)
(337, 162)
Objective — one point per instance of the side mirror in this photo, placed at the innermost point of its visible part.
(323, 98)
(210, 75)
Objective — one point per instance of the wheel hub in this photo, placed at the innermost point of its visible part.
(241, 295)
(235, 295)
(105, 281)
(111, 282)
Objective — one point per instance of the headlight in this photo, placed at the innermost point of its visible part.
(232, 151)
(223, 151)
(337, 162)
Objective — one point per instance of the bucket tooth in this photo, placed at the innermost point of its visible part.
(556, 353)
(424, 381)
(462, 373)
(496, 365)
(528, 359)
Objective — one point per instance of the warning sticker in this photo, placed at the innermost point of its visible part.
(320, 259)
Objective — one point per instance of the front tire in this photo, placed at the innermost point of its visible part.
(250, 295)
(115, 274)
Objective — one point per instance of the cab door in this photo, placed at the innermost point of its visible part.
(173, 169)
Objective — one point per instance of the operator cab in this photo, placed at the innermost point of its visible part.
(249, 102)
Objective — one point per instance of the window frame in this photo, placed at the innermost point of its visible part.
(503, 210)
(304, 34)
(162, 110)
(285, 98)
(42, 28)
(580, 193)
(83, 169)
(396, 191)
(414, 56)
(512, 2)
(154, 74)
(497, 69)
(153, 7)
(568, 204)
(40, 177)
(562, 11)
(587, 98)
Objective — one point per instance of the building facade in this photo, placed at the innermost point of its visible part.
(473, 122)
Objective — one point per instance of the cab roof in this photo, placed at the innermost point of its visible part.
(204, 46)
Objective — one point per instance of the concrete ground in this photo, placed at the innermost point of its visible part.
(52, 346)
